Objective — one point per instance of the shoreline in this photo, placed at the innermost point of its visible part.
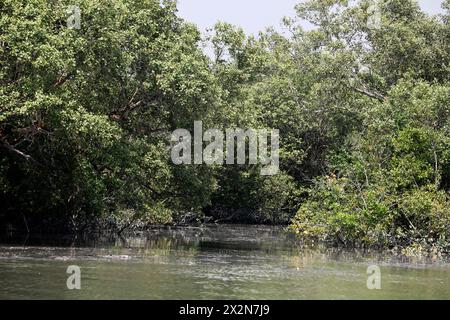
(405, 249)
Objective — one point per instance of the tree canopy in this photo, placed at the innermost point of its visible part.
(362, 106)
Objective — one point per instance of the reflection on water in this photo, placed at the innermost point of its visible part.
(213, 262)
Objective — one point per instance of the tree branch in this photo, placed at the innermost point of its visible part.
(13, 150)
(61, 80)
(373, 95)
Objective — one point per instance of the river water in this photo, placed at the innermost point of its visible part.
(213, 262)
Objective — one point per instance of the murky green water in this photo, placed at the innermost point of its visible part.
(216, 262)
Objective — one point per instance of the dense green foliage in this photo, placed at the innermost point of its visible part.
(363, 113)
(85, 112)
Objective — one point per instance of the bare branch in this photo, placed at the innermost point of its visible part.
(373, 95)
(15, 151)
(61, 80)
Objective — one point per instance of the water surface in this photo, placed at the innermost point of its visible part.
(213, 262)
